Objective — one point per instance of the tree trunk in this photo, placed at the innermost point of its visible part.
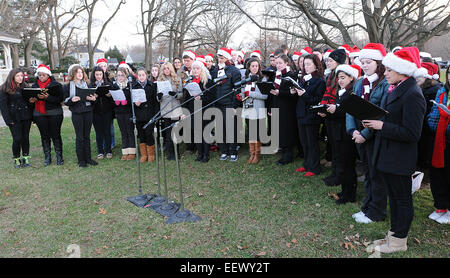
(15, 55)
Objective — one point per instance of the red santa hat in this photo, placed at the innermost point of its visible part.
(225, 52)
(432, 70)
(189, 53)
(201, 58)
(102, 61)
(44, 69)
(122, 64)
(355, 52)
(240, 53)
(347, 48)
(405, 61)
(210, 57)
(373, 51)
(272, 54)
(305, 51)
(296, 55)
(351, 70)
(256, 53)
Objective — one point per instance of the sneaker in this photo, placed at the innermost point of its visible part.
(444, 219)
(233, 158)
(301, 170)
(363, 219)
(436, 214)
(223, 157)
(17, 163)
(100, 156)
(26, 161)
(109, 155)
(358, 214)
(309, 174)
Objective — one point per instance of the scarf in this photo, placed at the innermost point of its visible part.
(438, 159)
(278, 75)
(394, 86)
(73, 86)
(368, 83)
(196, 79)
(39, 105)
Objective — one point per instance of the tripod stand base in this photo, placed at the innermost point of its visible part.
(141, 200)
(155, 202)
(168, 209)
(183, 216)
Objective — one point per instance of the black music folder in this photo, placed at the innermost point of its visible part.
(265, 87)
(103, 90)
(362, 109)
(320, 108)
(28, 93)
(269, 73)
(83, 93)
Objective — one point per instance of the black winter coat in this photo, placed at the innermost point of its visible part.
(315, 87)
(230, 101)
(52, 102)
(338, 127)
(122, 109)
(14, 108)
(103, 104)
(77, 107)
(206, 97)
(395, 147)
(148, 109)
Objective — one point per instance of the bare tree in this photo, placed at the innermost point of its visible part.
(150, 17)
(89, 7)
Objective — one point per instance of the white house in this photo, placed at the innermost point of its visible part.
(81, 54)
(5, 41)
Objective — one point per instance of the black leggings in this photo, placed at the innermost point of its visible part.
(49, 127)
(20, 132)
(126, 129)
(82, 124)
(102, 125)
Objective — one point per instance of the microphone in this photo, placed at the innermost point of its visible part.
(218, 79)
(130, 79)
(251, 78)
(188, 79)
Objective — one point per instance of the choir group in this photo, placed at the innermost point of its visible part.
(413, 135)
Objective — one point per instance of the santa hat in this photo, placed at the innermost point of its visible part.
(102, 61)
(296, 55)
(355, 52)
(225, 52)
(351, 70)
(123, 65)
(44, 69)
(190, 54)
(256, 53)
(347, 48)
(272, 54)
(432, 70)
(69, 70)
(405, 61)
(306, 51)
(202, 65)
(327, 54)
(210, 56)
(201, 58)
(425, 55)
(240, 53)
(373, 51)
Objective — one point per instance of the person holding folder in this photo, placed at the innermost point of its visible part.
(82, 113)
(144, 112)
(123, 114)
(347, 76)
(103, 114)
(308, 121)
(48, 114)
(396, 138)
(439, 123)
(373, 88)
(17, 114)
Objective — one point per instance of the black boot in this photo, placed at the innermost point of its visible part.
(170, 152)
(199, 152)
(59, 151)
(47, 151)
(205, 153)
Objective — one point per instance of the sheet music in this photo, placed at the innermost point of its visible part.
(138, 95)
(193, 89)
(164, 87)
(117, 95)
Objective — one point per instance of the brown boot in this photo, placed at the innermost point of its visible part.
(252, 151)
(143, 150)
(257, 153)
(131, 153)
(124, 154)
(151, 153)
(384, 240)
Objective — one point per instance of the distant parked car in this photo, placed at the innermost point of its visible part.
(444, 64)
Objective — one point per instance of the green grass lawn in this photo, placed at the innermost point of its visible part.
(246, 210)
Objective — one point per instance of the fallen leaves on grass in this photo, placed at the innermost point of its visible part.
(11, 230)
(102, 211)
(294, 202)
(242, 247)
(333, 195)
(7, 194)
(261, 254)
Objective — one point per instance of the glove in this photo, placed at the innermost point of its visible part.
(123, 102)
(159, 95)
(246, 93)
(172, 93)
(117, 102)
(238, 97)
